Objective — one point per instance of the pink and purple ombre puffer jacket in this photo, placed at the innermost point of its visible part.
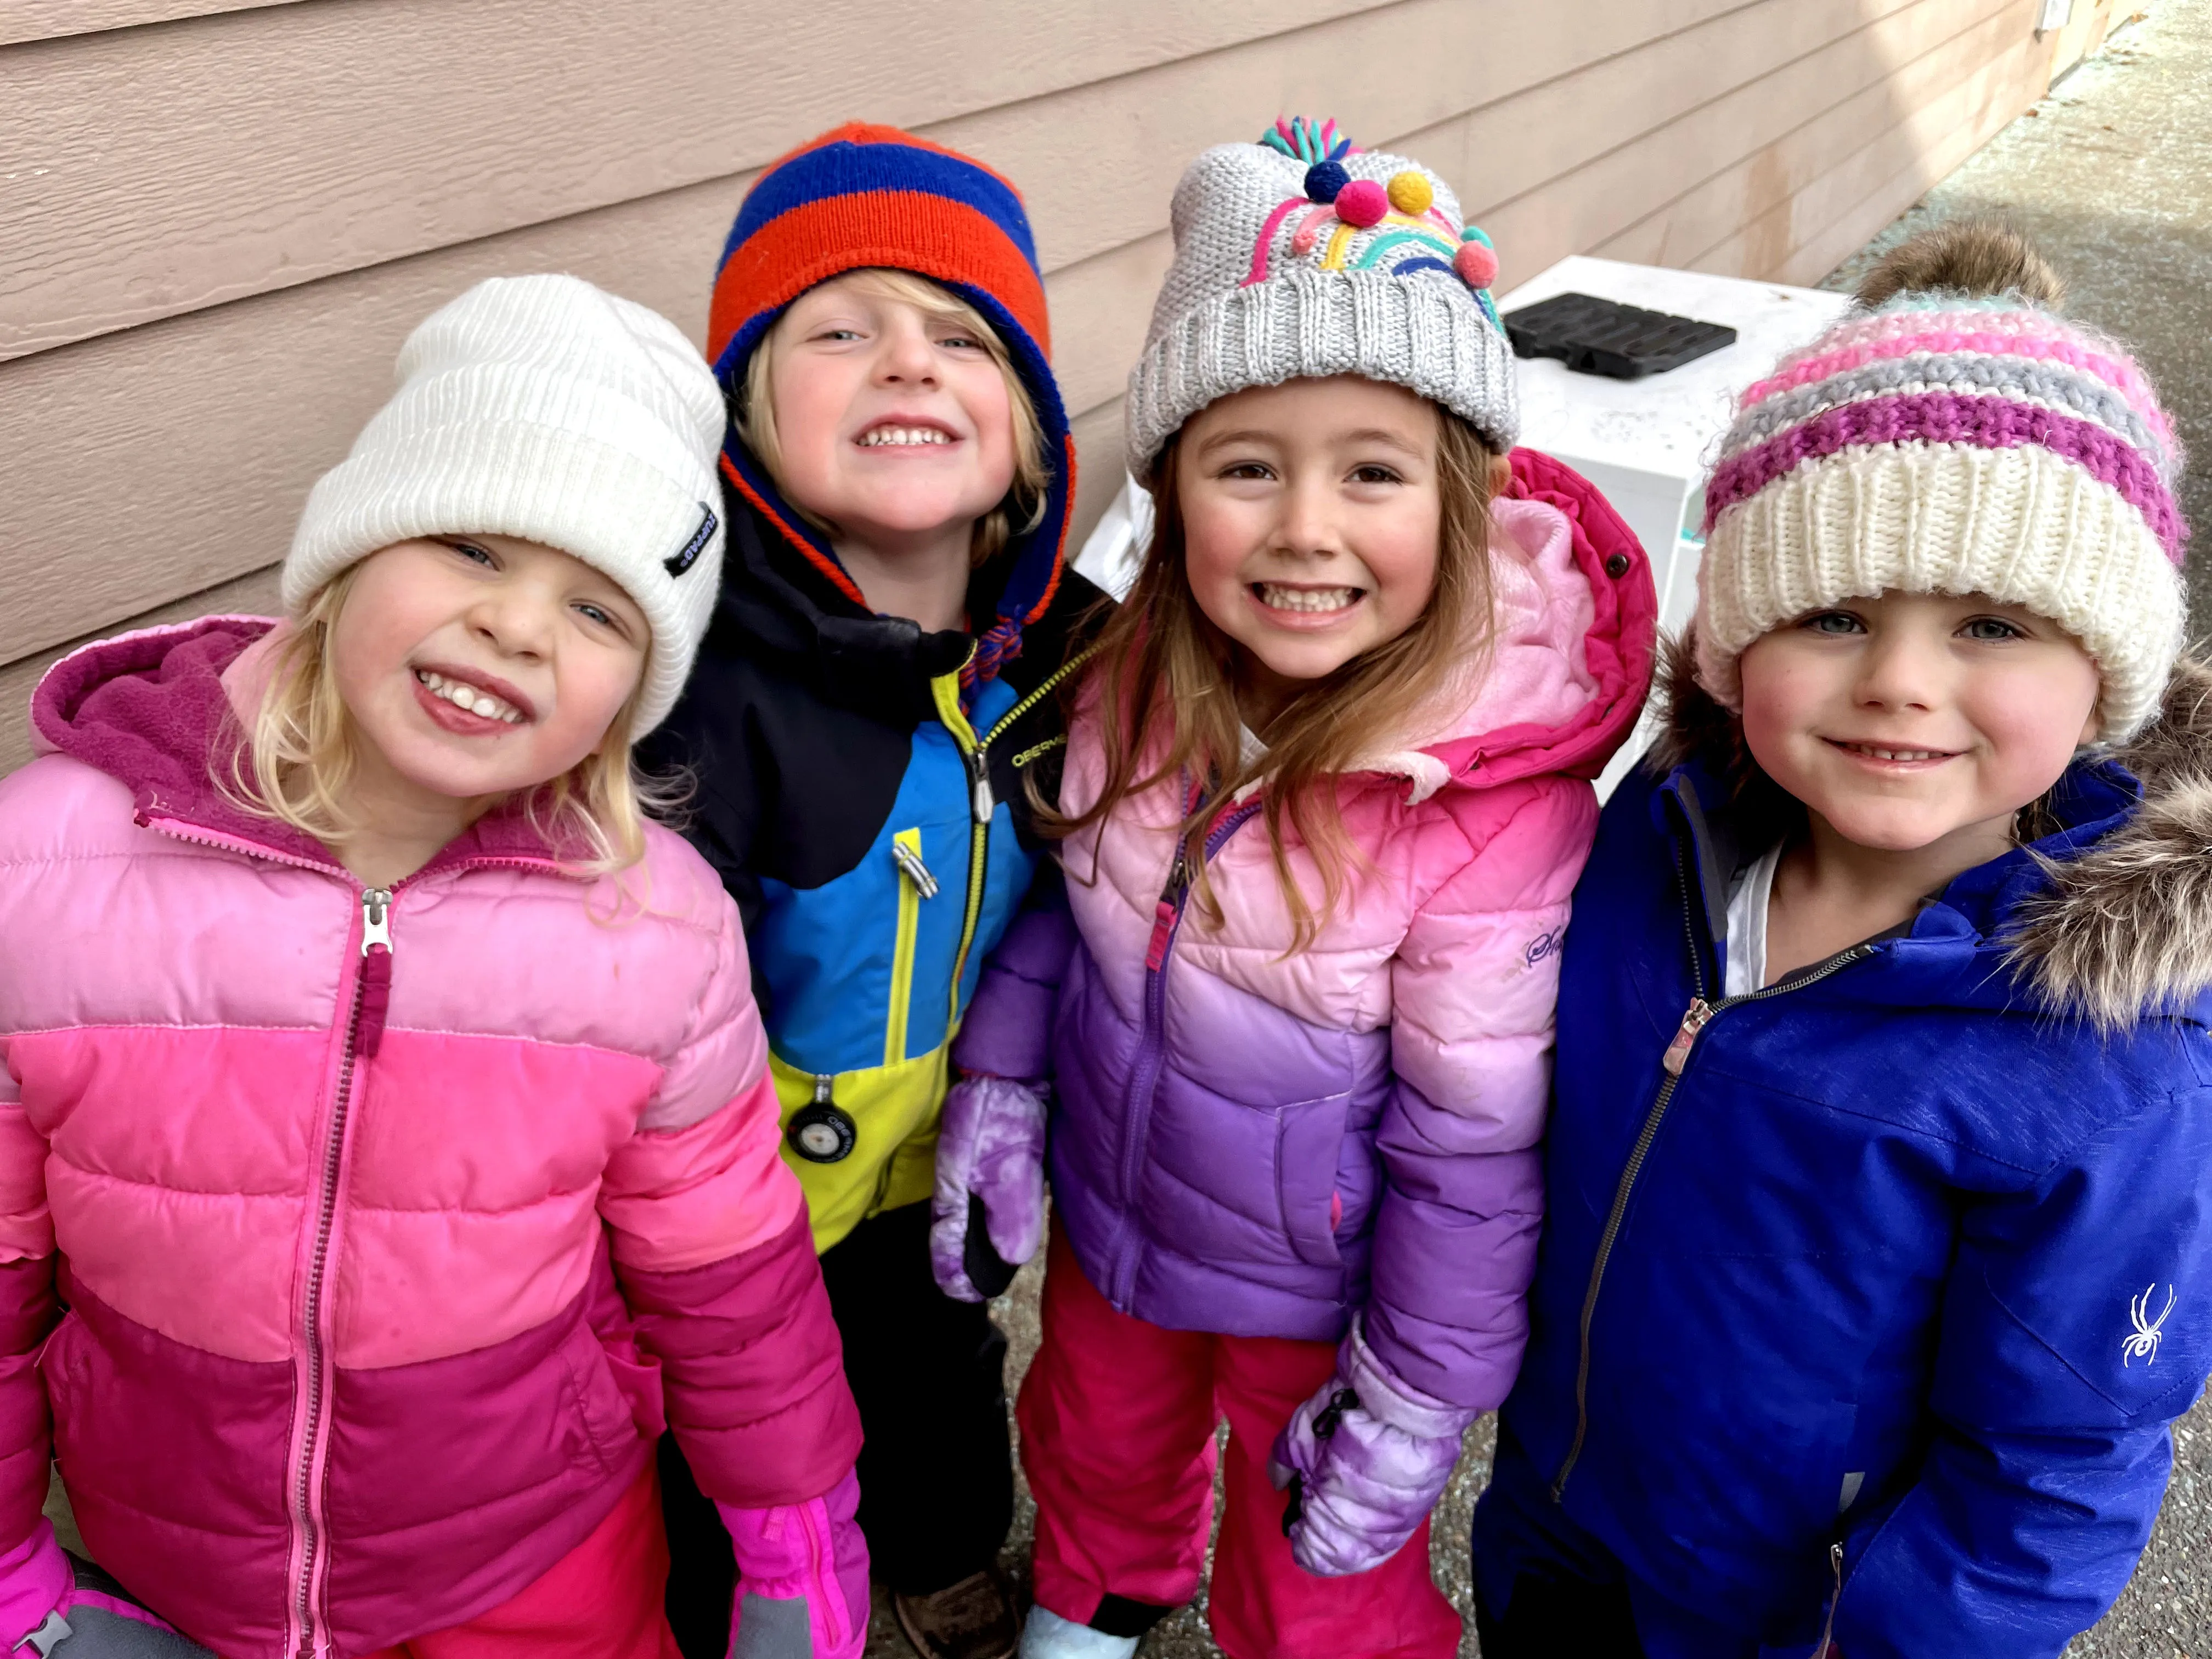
(1258, 1142)
(387, 1229)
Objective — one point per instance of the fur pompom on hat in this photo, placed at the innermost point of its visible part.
(1953, 435)
(544, 409)
(1302, 256)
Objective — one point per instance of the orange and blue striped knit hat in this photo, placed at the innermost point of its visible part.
(861, 197)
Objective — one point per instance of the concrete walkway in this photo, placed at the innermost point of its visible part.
(2112, 174)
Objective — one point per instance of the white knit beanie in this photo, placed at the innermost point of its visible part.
(1301, 256)
(544, 409)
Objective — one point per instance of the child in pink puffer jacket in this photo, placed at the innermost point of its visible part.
(383, 1097)
(1325, 799)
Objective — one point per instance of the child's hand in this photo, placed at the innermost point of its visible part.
(802, 1577)
(53, 1604)
(988, 1211)
(1365, 1459)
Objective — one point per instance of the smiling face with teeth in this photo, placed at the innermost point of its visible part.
(894, 424)
(1311, 513)
(1918, 723)
(473, 667)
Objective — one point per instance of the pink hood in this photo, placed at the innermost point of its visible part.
(382, 1265)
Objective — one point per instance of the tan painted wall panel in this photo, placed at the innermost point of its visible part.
(1517, 146)
(1102, 462)
(294, 143)
(1596, 204)
(1839, 211)
(254, 595)
(177, 455)
(210, 208)
(47, 20)
(1686, 229)
(1086, 196)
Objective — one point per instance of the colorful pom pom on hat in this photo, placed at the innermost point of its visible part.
(1301, 255)
(1958, 436)
(862, 196)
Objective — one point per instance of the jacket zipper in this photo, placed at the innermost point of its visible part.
(1151, 1042)
(976, 753)
(365, 1021)
(1828, 1630)
(822, 1556)
(364, 1035)
(1695, 1018)
(915, 883)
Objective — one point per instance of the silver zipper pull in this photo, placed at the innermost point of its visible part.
(1827, 1648)
(375, 918)
(979, 768)
(909, 862)
(1685, 1035)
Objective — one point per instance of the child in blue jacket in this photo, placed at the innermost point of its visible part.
(1879, 1248)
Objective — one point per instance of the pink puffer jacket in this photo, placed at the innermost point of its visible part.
(381, 1263)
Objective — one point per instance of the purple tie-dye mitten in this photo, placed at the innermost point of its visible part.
(988, 1215)
(1365, 1459)
(802, 1577)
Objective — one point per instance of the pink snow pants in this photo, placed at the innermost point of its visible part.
(1117, 1419)
(601, 1600)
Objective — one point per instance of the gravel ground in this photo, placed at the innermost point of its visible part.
(2112, 174)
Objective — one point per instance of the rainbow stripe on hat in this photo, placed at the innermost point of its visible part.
(1953, 444)
(859, 196)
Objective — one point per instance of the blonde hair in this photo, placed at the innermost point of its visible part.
(295, 755)
(1022, 510)
(1162, 672)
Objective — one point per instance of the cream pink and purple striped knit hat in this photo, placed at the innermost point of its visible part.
(1950, 441)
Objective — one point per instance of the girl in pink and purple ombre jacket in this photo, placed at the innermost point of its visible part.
(1324, 801)
(383, 1099)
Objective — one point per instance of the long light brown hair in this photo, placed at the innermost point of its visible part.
(1161, 685)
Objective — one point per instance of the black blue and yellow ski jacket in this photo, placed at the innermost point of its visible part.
(875, 833)
(861, 783)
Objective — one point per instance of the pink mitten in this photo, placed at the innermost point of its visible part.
(802, 1577)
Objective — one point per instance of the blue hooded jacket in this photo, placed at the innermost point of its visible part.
(1891, 1275)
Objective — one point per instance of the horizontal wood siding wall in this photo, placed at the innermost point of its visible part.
(222, 216)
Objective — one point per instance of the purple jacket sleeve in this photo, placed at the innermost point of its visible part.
(1475, 987)
(1008, 1029)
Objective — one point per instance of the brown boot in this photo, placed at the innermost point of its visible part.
(973, 1619)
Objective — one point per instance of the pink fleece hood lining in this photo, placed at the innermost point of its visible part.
(151, 709)
(1570, 651)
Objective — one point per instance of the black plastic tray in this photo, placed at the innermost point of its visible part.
(1603, 337)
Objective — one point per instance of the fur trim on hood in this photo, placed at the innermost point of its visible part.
(2124, 930)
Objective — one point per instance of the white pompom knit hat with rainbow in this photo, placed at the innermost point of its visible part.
(1304, 255)
(1947, 441)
